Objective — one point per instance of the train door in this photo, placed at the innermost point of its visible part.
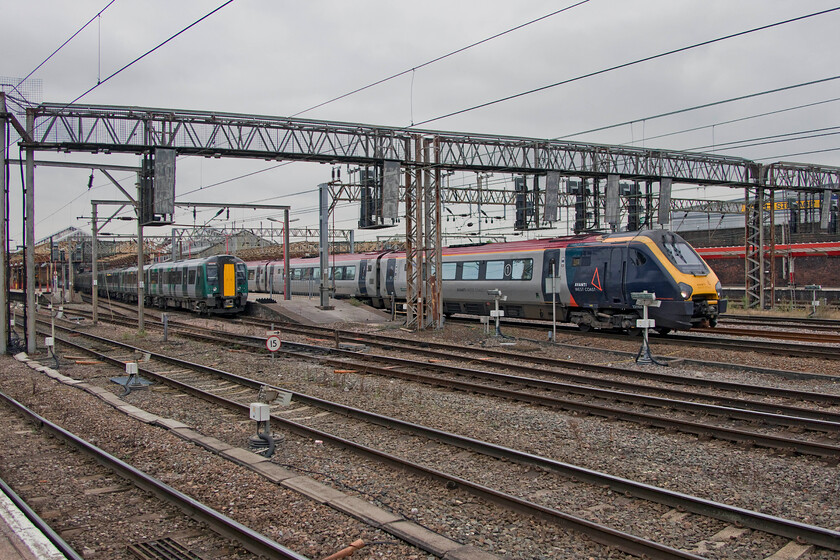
(228, 279)
(558, 283)
(614, 276)
(279, 279)
(362, 279)
(269, 277)
(184, 279)
(390, 271)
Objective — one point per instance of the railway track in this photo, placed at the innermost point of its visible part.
(821, 337)
(188, 378)
(717, 414)
(820, 345)
(84, 493)
(824, 350)
(811, 323)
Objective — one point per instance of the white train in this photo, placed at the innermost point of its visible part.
(591, 277)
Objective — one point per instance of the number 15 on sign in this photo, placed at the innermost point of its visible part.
(273, 343)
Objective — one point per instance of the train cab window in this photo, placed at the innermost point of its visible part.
(212, 274)
(585, 259)
(470, 270)
(449, 270)
(241, 271)
(523, 269)
(638, 258)
(495, 270)
(683, 256)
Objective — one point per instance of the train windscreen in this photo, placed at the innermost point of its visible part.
(683, 256)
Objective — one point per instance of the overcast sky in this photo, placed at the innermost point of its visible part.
(280, 58)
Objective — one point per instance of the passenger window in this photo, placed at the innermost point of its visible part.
(350, 272)
(470, 270)
(495, 270)
(523, 269)
(449, 269)
(192, 277)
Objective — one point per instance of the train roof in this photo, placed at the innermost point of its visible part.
(559, 242)
(510, 246)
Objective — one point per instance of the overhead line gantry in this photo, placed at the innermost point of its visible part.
(421, 156)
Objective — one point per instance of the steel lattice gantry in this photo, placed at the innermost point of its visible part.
(94, 128)
(97, 128)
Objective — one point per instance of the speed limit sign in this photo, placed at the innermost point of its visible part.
(273, 343)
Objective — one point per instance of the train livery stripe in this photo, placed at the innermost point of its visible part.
(229, 280)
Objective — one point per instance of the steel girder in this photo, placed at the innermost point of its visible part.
(136, 129)
(94, 128)
(802, 176)
(109, 128)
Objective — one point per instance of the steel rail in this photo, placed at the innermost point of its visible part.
(777, 414)
(42, 526)
(819, 536)
(775, 348)
(742, 409)
(218, 522)
(833, 327)
(780, 415)
(778, 335)
(389, 341)
(796, 417)
(697, 428)
(805, 321)
(625, 542)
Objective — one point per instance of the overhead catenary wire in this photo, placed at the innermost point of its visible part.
(246, 175)
(627, 64)
(150, 51)
(730, 121)
(439, 58)
(772, 139)
(703, 106)
(73, 36)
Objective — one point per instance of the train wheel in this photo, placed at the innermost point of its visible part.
(584, 327)
(634, 331)
(663, 330)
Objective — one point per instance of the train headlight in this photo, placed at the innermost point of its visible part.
(719, 290)
(685, 290)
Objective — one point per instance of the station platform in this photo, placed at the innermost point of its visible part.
(307, 311)
(20, 539)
